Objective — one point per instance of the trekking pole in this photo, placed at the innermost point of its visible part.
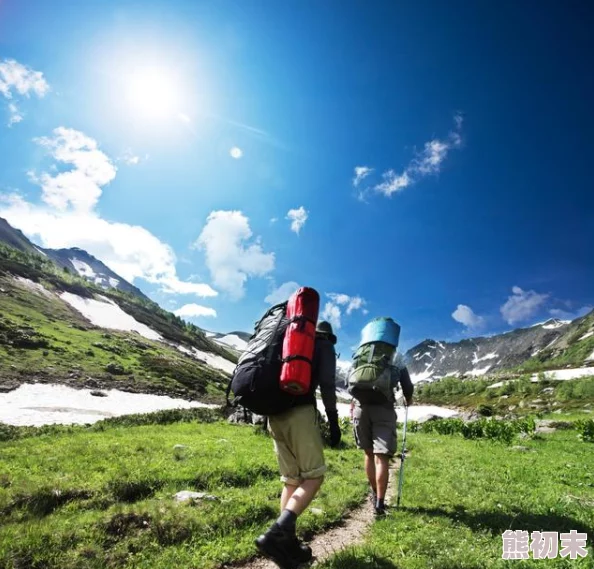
(402, 456)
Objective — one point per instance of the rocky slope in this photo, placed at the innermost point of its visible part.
(542, 346)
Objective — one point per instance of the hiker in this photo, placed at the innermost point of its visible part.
(299, 449)
(376, 372)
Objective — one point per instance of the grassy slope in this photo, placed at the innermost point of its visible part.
(519, 396)
(115, 506)
(44, 339)
(460, 496)
(568, 351)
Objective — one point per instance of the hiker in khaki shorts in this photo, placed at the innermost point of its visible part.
(300, 453)
(376, 373)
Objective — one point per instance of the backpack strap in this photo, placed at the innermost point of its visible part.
(278, 323)
(302, 358)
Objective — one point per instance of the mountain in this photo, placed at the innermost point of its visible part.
(58, 327)
(74, 260)
(90, 268)
(15, 238)
(539, 347)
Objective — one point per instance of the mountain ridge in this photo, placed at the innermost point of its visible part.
(73, 259)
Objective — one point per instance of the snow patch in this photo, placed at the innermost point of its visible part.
(415, 412)
(40, 251)
(491, 356)
(423, 376)
(39, 404)
(586, 335)
(113, 282)
(82, 268)
(234, 341)
(212, 360)
(107, 314)
(34, 287)
(557, 324)
(565, 374)
(480, 371)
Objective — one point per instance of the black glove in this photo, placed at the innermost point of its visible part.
(335, 433)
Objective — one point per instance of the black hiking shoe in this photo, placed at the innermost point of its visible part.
(283, 548)
(380, 512)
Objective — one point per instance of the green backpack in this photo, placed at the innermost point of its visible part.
(370, 378)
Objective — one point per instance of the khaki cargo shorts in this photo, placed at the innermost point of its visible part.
(298, 444)
(374, 427)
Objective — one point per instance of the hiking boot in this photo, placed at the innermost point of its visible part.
(380, 512)
(283, 548)
(301, 551)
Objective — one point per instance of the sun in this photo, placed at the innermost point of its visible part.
(153, 92)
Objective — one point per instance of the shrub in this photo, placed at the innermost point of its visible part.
(586, 430)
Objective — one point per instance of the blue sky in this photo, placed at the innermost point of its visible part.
(430, 161)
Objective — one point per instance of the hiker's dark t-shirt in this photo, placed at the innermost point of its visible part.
(323, 375)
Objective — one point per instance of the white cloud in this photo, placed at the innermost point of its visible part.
(18, 79)
(298, 217)
(393, 182)
(15, 114)
(67, 218)
(425, 163)
(351, 302)
(230, 256)
(282, 293)
(339, 302)
(172, 285)
(129, 158)
(195, 311)
(465, 315)
(81, 186)
(273, 219)
(361, 172)
(236, 152)
(522, 305)
(23, 79)
(332, 314)
(566, 315)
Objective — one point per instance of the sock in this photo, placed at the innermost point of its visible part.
(286, 521)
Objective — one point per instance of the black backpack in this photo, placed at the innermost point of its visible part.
(255, 381)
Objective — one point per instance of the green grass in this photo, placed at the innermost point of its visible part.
(103, 498)
(459, 497)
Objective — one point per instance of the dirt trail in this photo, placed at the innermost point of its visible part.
(350, 532)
